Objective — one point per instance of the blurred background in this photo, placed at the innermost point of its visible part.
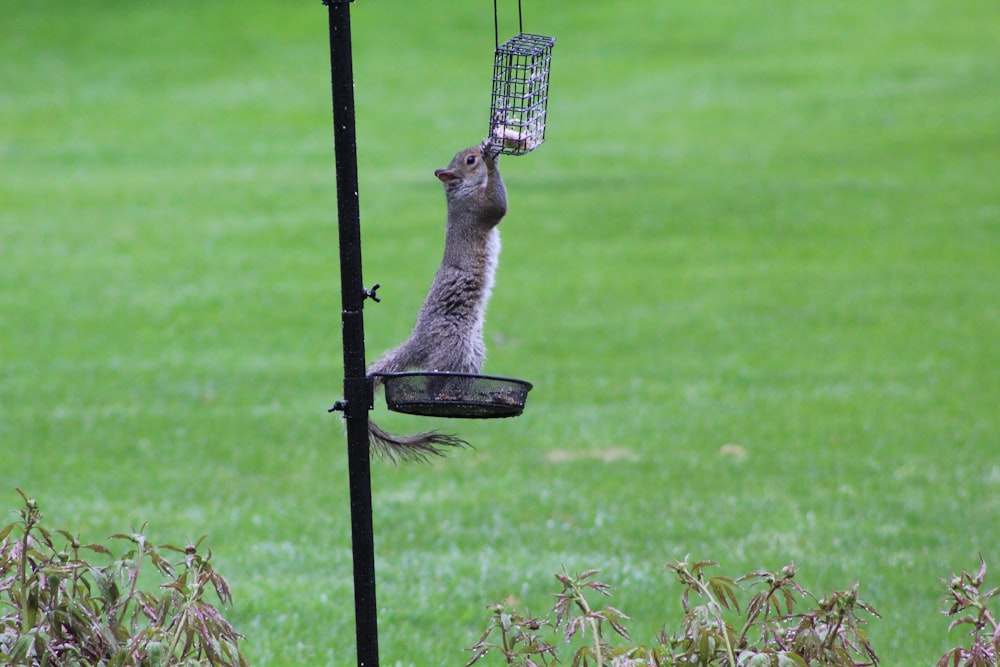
(752, 273)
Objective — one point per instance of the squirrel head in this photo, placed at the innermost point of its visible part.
(475, 191)
(469, 171)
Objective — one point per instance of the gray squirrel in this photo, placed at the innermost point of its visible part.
(448, 334)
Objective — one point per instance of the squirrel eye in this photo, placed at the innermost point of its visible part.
(471, 160)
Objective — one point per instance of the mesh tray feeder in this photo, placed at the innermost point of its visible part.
(438, 394)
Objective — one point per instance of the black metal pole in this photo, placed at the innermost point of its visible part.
(357, 388)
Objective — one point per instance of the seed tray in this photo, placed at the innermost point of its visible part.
(463, 395)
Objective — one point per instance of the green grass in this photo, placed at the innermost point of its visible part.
(774, 226)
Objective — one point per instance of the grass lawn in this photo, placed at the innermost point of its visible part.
(754, 275)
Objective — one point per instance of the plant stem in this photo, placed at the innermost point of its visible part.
(598, 652)
(506, 642)
(703, 589)
(28, 612)
(989, 618)
(595, 626)
(832, 634)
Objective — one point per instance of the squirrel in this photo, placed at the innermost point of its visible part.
(448, 334)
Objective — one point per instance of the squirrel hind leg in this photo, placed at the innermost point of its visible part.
(417, 448)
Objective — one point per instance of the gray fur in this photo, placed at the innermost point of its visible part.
(448, 334)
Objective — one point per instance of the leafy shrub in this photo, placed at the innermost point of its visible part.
(970, 605)
(780, 625)
(769, 630)
(59, 609)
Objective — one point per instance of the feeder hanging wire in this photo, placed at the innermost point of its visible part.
(496, 23)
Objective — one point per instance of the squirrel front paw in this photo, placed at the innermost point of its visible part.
(490, 149)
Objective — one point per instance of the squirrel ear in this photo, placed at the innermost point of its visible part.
(447, 175)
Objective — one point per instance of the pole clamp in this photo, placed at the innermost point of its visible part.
(359, 397)
(370, 293)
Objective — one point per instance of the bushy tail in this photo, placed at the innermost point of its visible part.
(415, 448)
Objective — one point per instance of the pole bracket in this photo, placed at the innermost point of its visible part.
(359, 398)
(370, 293)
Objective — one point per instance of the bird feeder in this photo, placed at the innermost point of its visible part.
(520, 96)
(463, 395)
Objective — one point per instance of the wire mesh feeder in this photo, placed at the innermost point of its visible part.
(520, 93)
(438, 394)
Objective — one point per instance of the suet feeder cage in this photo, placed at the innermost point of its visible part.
(520, 96)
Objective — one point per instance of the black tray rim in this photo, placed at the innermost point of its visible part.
(487, 410)
(524, 383)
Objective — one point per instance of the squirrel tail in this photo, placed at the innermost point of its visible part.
(414, 448)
